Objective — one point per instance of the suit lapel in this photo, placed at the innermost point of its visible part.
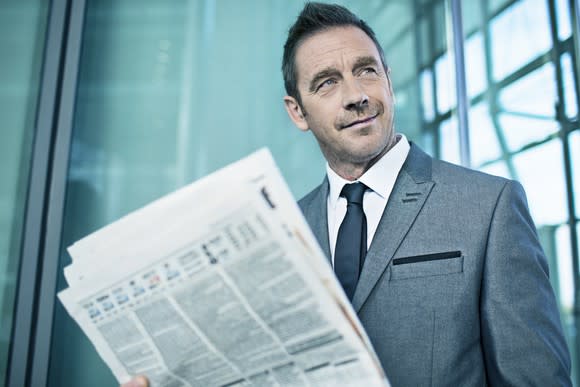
(409, 194)
(316, 216)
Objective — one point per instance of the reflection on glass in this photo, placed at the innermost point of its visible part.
(528, 108)
(575, 152)
(483, 140)
(521, 130)
(475, 65)
(519, 34)
(563, 16)
(495, 5)
(570, 99)
(449, 141)
(541, 172)
(534, 94)
(445, 75)
(426, 80)
(21, 44)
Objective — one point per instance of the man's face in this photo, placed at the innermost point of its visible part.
(347, 99)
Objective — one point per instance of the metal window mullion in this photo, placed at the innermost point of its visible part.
(33, 236)
(57, 193)
(460, 82)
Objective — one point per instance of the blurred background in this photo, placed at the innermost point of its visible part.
(106, 105)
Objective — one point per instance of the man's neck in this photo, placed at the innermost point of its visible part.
(353, 171)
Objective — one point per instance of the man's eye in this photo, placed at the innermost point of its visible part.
(368, 70)
(327, 83)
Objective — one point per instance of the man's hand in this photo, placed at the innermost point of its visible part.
(137, 381)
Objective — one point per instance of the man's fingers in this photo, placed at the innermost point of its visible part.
(138, 381)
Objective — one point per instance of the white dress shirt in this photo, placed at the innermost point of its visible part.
(380, 179)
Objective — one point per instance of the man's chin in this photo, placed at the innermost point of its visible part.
(370, 152)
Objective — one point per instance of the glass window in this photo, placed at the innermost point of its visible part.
(541, 172)
(564, 274)
(449, 141)
(532, 95)
(570, 98)
(22, 30)
(475, 74)
(426, 81)
(527, 108)
(483, 141)
(525, 26)
(472, 18)
(445, 74)
(575, 153)
(563, 15)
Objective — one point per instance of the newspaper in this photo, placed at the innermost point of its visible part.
(221, 283)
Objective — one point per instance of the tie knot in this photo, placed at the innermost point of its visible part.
(354, 192)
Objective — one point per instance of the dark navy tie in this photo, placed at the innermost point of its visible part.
(351, 242)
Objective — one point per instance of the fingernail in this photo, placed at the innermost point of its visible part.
(139, 381)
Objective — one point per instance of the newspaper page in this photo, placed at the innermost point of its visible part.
(218, 284)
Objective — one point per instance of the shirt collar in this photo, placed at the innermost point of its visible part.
(380, 177)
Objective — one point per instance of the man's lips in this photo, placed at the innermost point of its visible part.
(363, 121)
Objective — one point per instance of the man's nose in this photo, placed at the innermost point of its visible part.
(354, 96)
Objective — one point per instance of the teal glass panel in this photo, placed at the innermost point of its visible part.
(22, 31)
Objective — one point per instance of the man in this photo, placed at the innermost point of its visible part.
(454, 288)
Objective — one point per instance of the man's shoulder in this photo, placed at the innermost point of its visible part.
(446, 171)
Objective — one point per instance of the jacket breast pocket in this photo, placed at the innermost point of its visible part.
(427, 265)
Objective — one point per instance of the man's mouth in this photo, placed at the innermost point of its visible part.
(361, 121)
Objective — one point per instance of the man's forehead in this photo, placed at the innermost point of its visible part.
(333, 48)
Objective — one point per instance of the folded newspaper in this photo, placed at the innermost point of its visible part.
(221, 283)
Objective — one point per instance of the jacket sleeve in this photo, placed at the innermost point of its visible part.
(522, 336)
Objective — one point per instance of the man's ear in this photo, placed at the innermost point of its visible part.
(295, 113)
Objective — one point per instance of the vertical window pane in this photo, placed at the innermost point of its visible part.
(22, 29)
(570, 98)
(449, 140)
(541, 172)
(475, 65)
(528, 113)
(563, 15)
(445, 74)
(575, 152)
(518, 35)
(483, 140)
(426, 80)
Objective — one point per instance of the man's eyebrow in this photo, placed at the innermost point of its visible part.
(364, 61)
(322, 74)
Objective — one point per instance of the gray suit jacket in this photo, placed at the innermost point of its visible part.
(454, 290)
